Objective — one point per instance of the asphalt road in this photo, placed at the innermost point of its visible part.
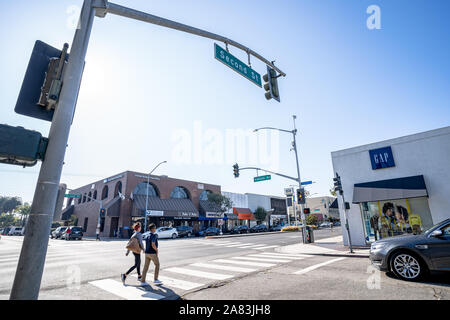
(238, 268)
(82, 262)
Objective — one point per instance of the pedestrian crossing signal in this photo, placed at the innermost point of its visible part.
(102, 213)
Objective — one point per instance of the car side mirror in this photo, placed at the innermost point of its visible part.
(436, 233)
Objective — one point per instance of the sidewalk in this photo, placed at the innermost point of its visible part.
(326, 247)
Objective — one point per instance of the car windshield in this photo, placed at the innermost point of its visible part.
(76, 229)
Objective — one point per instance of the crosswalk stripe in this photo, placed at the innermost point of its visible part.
(221, 267)
(200, 274)
(285, 254)
(126, 292)
(268, 247)
(261, 259)
(305, 270)
(270, 255)
(241, 244)
(266, 256)
(226, 244)
(245, 263)
(177, 283)
(251, 246)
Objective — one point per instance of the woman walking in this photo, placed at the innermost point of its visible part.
(135, 245)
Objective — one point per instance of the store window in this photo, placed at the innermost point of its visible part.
(390, 218)
(179, 193)
(204, 194)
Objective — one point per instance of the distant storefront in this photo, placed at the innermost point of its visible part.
(128, 196)
(398, 186)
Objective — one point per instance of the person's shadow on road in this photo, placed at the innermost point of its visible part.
(148, 290)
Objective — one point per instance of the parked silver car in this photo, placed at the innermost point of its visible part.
(411, 257)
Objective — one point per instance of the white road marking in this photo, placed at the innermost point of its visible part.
(268, 247)
(316, 266)
(221, 267)
(200, 274)
(225, 244)
(251, 246)
(240, 244)
(289, 255)
(245, 263)
(269, 256)
(177, 283)
(126, 292)
(261, 259)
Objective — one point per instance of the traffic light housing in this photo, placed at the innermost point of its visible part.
(338, 184)
(236, 170)
(20, 146)
(271, 84)
(306, 211)
(102, 213)
(301, 196)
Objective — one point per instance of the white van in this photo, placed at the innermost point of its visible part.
(16, 231)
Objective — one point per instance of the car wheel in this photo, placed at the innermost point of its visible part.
(407, 266)
(189, 234)
(174, 236)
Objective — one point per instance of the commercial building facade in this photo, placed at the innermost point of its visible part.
(396, 186)
(321, 207)
(127, 195)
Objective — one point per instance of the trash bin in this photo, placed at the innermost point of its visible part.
(308, 237)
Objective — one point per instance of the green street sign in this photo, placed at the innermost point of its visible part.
(75, 196)
(237, 65)
(261, 178)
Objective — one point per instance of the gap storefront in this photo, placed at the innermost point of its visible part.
(394, 187)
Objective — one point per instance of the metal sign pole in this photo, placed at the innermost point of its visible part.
(29, 271)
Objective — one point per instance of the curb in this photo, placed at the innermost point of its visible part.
(242, 235)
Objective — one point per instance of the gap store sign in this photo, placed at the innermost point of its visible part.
(382, 158)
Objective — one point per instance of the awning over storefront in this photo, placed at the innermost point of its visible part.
(67, 212)
(166, 207)
(244, 213)
(392, 189)
(113, 207)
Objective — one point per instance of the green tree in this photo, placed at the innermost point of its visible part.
(9, 204)
(73, 221)
(333, 192)
(8, 219)
(24, 211)
(311, 219)
(222, 202)
(260, 214)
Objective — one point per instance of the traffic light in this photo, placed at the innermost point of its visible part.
(271, 84)
(301, 196)
(236, 170)
(338, 184)
(306, 211)
(20, 146)
(102, 213)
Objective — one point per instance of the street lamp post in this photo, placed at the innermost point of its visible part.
(294, 145)
(146, 198)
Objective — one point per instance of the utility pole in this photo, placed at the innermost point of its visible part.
(302, 214)
(30, 267)
(298, 179)
(146, 198)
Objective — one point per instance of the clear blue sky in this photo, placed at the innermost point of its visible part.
(348, 85)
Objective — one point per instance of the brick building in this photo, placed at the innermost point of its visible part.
(127, 195)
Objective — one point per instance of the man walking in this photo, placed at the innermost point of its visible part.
(151, 254)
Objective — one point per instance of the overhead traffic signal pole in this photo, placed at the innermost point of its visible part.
(30, 267)
(294, 145)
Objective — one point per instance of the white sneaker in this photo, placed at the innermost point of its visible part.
(157, 282)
